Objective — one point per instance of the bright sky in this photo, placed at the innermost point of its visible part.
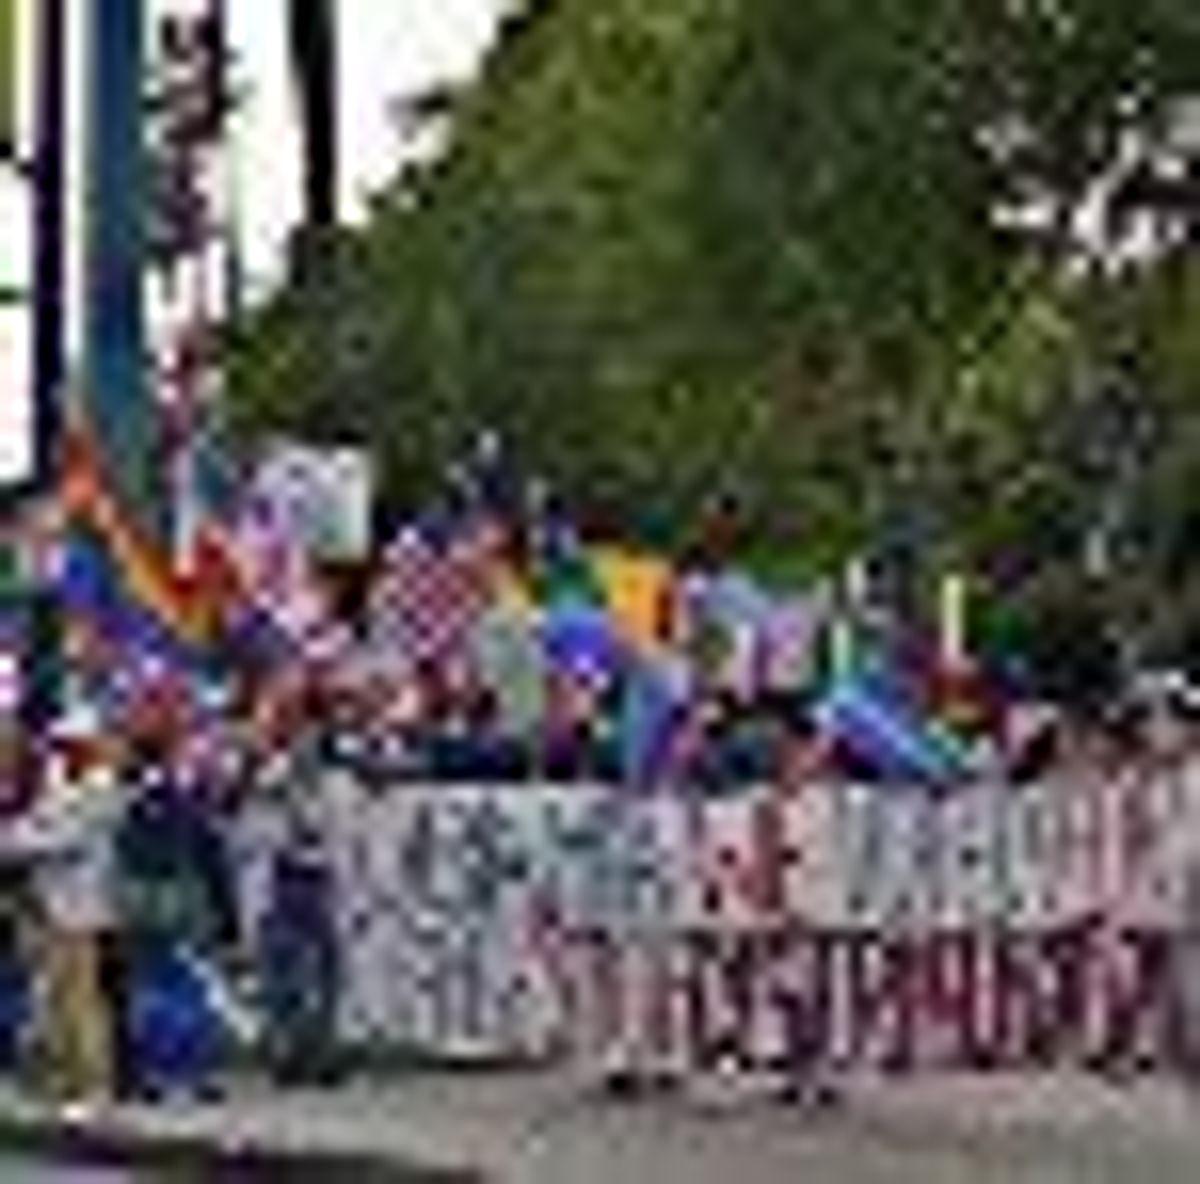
(16, 432)
(389, 49)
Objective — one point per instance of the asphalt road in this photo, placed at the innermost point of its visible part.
(756, 1148)
(576, 1141)
(30, 1171)
(551, 1131)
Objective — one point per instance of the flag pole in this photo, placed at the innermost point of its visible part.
(121, 413)
(44, 636)
(49, 238)
(313, 43)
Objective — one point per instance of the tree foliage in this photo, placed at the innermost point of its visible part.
(762, 246)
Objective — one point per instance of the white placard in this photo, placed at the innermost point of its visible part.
(324, 494)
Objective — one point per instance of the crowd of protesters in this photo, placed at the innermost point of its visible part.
(120, 872)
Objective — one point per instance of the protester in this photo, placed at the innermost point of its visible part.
(217, 805)
(298, 939)
(16, 993)
(175, 914)
(300, 959)
(68, 835)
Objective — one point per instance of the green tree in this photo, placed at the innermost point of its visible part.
(826, 256)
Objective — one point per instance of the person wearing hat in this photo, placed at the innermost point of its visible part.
(67, 834)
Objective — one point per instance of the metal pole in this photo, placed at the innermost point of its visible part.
(49, 237)
(121, 413)
(313, 37)
(42, 664)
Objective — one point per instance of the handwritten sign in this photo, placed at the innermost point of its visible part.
(999, 924)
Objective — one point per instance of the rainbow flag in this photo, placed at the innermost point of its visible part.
(119, 575)
(639, 592)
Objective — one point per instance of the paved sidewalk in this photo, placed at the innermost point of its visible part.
(251, 1135)
(544, 1128)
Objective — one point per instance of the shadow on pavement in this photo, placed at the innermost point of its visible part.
(180, 1161)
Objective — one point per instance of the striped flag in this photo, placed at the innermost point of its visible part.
(429, 600)
(138, 572)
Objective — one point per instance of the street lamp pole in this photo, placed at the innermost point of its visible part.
(49, 237)
(312, 28)
(40, 684)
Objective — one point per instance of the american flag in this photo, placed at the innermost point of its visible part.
(276, 576)
(430, 597)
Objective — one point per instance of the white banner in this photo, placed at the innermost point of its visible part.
(465, 911)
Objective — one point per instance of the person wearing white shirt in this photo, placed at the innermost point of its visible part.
(67, 836)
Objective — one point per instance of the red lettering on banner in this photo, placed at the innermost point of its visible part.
(948, 1000)
(722, 998)
(1141, 1021)
(883, 987)
(747, 1001)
